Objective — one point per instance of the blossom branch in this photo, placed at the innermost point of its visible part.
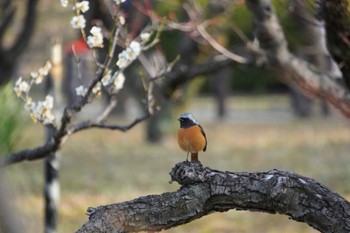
(64, 130)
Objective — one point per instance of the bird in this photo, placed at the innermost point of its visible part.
(191, 136)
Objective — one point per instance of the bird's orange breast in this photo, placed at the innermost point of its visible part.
(191, 139)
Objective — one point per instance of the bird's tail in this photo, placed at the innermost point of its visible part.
(194, 156)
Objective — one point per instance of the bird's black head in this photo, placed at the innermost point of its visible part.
(187, 120)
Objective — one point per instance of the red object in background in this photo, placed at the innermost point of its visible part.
(79, 46)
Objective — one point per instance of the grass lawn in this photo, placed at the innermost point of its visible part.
(102, 167)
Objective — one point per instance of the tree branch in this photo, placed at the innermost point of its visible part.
(274, 44)
(186, 73)
(205, 191)
(101, 125)
(65, 129)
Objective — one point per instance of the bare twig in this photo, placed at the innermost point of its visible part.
(101, 125)
(218, 47)
(108, 109)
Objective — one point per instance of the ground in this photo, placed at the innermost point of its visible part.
(102, 167)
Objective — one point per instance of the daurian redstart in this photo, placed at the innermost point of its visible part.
(191, 136)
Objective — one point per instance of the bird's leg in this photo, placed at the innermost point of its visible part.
(187, 156)
(194, 157)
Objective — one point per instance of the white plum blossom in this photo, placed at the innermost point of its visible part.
(96, 38)
(80, 91)
(145, 36)
(41, 73)
(106, 79)
(82, 6)
(129, 54)
(28, 104)
(44, 71)
(78, 22)
(122, 60)
(118, 81)
(48, 103)
(97, 88)
(119, 1)
(34, 74)
(122, 20)
(41, 111)
(64, 3)
(134, 50)
(48, 118)
(21, 87)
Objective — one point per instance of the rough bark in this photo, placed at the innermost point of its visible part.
(204, 191)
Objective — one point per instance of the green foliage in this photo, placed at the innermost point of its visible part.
(11, 119)
(242, 19)
(252, 79)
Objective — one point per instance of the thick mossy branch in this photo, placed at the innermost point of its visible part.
(204, 191)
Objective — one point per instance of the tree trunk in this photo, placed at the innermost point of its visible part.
(204, 191)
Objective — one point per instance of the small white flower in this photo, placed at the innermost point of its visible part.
(37, 111)
(21, 86)
(133, 51)
(118, 81)
(82, 6)
(45, 69)
(106, 79)
(28, 104)
(145, 36)
(39, 79)
(97, 88)
(64, 3)
(119, 1)
(41, 111)
(136, 47)
(42, 72)
(129, 54)
(78, 22)
(95, 30)
(122, 60)
(96, 40)
(48, 103)
(80, 91)
(34, 74)
(122, 20)
(48, 117)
